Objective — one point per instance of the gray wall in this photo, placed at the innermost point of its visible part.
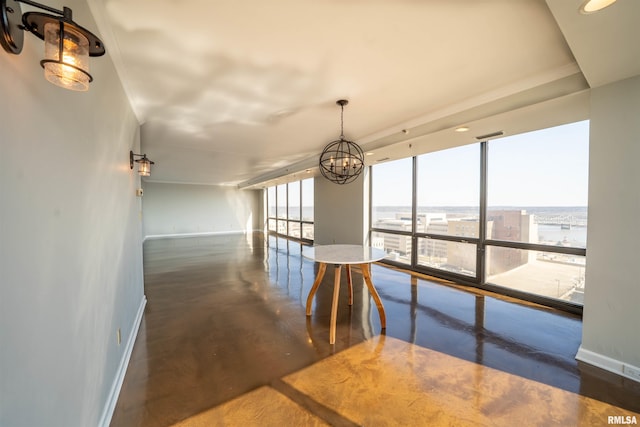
(340, 214)
(183, 209)
(70, 240)
(611, 314)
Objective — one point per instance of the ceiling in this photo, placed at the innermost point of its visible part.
(237, 92)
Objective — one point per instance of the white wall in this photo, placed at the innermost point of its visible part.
(339, 211)
(612, 295)
(70, 240)
(183, 209)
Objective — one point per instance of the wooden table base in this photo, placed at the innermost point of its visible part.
(366, 273)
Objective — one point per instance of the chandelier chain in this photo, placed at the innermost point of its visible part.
(342, 121)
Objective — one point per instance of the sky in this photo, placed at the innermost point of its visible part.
(547, 167)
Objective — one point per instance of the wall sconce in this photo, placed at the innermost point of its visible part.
(145, 164)
(67, 45)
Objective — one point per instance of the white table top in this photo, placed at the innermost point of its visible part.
(343, 254)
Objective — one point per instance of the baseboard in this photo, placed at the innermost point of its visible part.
(110, 405)
(607, 363)
(203, 234)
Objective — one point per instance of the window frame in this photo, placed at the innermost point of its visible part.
(289, 222)
(481, 242)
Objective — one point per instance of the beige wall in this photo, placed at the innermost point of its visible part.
(70, 240)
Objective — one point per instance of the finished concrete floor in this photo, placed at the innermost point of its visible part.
(225, 341)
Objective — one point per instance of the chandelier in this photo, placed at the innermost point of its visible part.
(341, 161)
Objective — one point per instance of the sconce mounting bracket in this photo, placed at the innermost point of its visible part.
(13, 25)
(35, 22)
(12, 37)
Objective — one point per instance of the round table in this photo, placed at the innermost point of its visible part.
(340, 255)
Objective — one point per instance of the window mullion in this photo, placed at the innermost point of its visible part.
(414, 212)
(482, 219)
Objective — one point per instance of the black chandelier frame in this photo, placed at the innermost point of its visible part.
(341, 161)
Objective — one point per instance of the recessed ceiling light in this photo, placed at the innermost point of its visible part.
(462, 129)
(370, 153)
(591, 6)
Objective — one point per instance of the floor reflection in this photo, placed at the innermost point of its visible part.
(530, 341)
(226, 315)
(461, 323)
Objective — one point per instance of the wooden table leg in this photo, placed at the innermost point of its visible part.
(350, 284)
(334, 304)
(321, 269)
(367, 279)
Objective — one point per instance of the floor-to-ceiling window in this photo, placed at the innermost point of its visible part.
(391, 209)
(272, 212)
(281, 208)
(290, 209)
(448, 210)
(307, 203)
(294, 209)
(537, 212)
(508, 214)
